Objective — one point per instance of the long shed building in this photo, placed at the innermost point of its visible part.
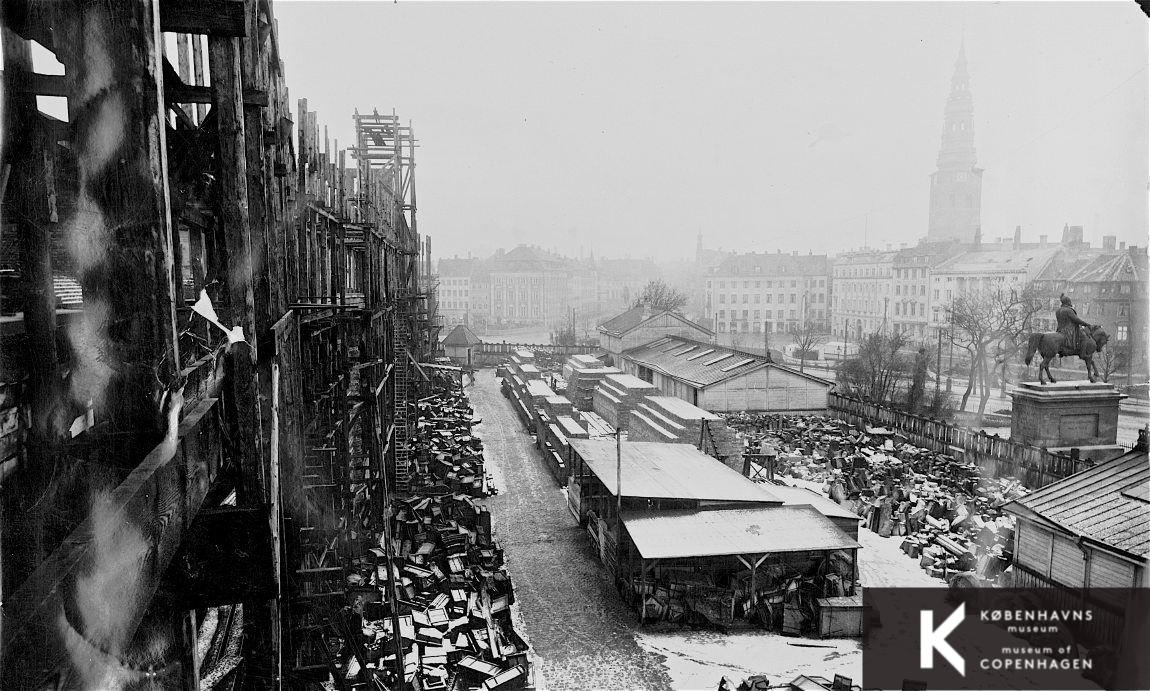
(722, 379)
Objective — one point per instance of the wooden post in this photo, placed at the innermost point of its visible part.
(227, 104)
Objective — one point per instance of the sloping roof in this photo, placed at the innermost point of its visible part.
(1112, 268)
(641, 314)
(757, 530)
(655, 470)
(766, 264)
(999, 260)
(801, 496)
(625, 321)
(1107, 504)
(461, 336)
(702, 364)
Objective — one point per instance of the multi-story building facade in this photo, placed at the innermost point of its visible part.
(910, 292)
(755, 293)
(862, 292)
(1109, 287)
(986, 267)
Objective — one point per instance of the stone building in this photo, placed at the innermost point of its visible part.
(985, 267)
(956, 186)
(862, 292)
(749, 294)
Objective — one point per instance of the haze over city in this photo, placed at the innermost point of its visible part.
(792, 126)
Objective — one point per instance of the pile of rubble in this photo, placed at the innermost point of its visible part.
(450, 455)
(451, 621)
(943, 507)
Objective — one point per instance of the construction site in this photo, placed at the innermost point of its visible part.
(218, 339)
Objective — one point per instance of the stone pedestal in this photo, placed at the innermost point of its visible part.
(1069, 414)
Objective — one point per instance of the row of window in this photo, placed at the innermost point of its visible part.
(758, 315)
(756, 327)
(807, 283)
(814, 297)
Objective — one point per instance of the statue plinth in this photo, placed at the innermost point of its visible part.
(1068, 414)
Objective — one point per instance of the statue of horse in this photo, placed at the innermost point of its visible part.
(1052, 344)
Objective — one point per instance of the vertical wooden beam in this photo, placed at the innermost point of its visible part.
(198, 73)
(227, 102)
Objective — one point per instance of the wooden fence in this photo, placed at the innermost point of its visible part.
(1035, 467)
(508, 348)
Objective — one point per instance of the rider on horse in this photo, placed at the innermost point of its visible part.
(1068, 323)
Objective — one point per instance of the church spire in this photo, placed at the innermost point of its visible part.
(956, 187)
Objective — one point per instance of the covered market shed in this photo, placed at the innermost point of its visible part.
(754, 554)
(722, 379)
(697, 534)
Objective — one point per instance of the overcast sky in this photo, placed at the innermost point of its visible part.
(630, 128)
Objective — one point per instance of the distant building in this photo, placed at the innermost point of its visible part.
(863, 290)
(910, 294)
(1109, 287)
(756, 292)
(956, 186)
(641, 324)
(986, 267)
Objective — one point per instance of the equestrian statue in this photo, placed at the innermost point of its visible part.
(1074, 336)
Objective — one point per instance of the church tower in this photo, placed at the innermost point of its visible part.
(956, 187)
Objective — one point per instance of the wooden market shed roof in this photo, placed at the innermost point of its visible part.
(703, 364)
(719, 532)
(1108, 504)
(656, 470)
(461, 336)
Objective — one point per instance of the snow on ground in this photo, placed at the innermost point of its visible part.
(883, 565)
(699, 659)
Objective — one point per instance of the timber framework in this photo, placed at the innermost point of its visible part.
(213, 324)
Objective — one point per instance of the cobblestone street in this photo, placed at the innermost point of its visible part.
(583, 635)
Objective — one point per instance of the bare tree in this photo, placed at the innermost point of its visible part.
(1111, 360)
(878, 369)
(807, 337)
(659, 296)
(990, 325)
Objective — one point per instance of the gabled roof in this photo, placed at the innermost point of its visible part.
(1108, 504)
(461, 336)
(1111, 268)
(640, 314)
(702, 364)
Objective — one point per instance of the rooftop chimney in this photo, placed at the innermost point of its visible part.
(978, 235)
(1122, 245)
(1017, 237)
(1071, 235)
(1109, 242)
(1042, 240)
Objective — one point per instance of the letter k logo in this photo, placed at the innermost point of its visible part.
(935, 639)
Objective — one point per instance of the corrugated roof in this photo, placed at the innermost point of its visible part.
(701, 368)
(461, 336)
(1100, 504)
(655, 470)
(758, 530)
